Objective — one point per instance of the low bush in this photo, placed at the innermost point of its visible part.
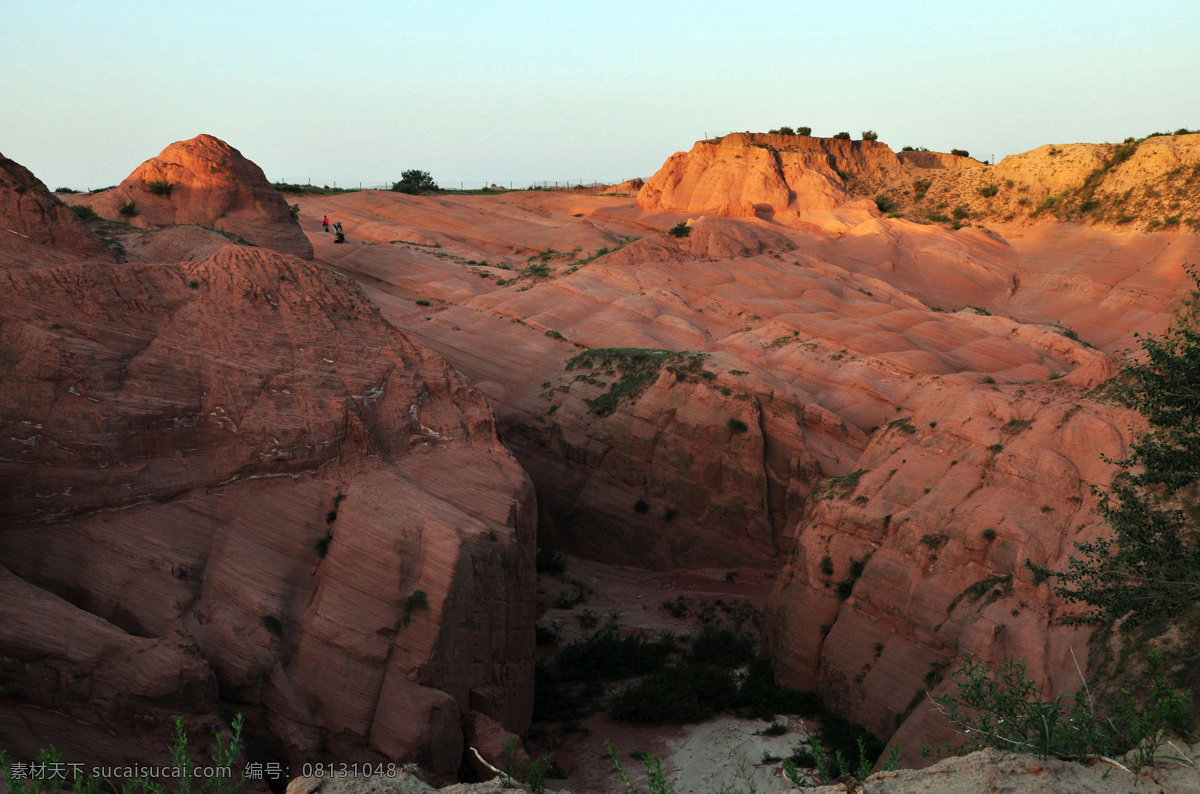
(417, 599)
(1003, 708)
(129, 209)
(842, 136)
(680, 229)
(870, 135)
(550, 561)
(960, 152)
(159, 187)
(84, 212)
(273, 624)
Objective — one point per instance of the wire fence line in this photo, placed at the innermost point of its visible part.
(465, 185)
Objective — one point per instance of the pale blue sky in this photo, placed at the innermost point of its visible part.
(567, 90)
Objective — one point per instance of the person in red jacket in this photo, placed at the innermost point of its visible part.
(325, 222)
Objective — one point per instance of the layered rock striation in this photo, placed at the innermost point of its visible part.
(231, 478)
(32, 215)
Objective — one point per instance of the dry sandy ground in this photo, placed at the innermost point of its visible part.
(696, 757)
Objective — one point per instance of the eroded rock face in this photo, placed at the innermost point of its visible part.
(29, 213)
(207, 182)
(900, 570)
(240, 453)
(745, 174)
(815, 340)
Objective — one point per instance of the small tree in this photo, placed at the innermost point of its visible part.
(805, 131)
(870, 135)
(960, 152)
(1150, 565)
(842, 136)
(414, 181)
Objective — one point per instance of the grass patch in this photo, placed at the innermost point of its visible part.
(837, 487)
(992, 589)
(634, 369)
(1015, 425)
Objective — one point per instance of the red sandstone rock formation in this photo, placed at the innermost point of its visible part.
(234, 470)
(745, 174)
(207, 182)
(29, 213)
(900, 570)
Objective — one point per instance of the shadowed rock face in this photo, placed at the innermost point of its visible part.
(207, 182)
(232, 472)
(29, 213)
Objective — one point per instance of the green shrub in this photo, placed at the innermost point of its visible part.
(738, 426)
(532, 773)
(959, 212)
(804, 131)
(870, 135)
(960, 152)
(842, 136)
(826, 565)
(722, 647)
(989, 534)
(1003, 708)
(294, 212)
(607, 655)
(322, 544)
(85, 212)
(414, 181)
(193, 284)
(680, 229)
(987, 191)
(656, 780)
(569, 599)
(550, 561)
(423, 302)
(273, 624)
(129, 209)
(681, 693)
(417, 599)
(774, 729)
(159, 187)
(635, 369)
(884, 203)
(783, 131)
(49, 773)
